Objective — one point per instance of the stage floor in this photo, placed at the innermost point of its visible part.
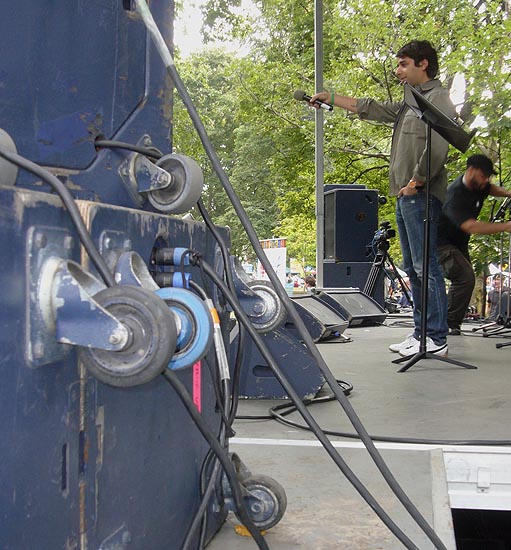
(432, 400)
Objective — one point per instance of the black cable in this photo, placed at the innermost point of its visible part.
(293, 314)
(200, 517)
(111, 144)
(221, 408)
(220, 453)
(347, 388)
(236, 374)
(200, 291)
(225, 434)
(388, 476)
(290, 408)
(207, 491)
(166, 56)
(221, 243)
(69, 203)
(230, 283)
(352, 478)
(182, 266)
(215, 382)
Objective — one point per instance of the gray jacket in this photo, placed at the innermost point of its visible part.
(408, 151)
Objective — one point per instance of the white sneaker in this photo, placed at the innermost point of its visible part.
(410, 339)
(438, 349)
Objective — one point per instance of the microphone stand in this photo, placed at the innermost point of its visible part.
(450, 131)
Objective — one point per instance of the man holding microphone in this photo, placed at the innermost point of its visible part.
(418, 66)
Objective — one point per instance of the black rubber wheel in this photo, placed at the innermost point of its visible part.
(267, 501)
(152, 342)
(274, 313)
(186, 187)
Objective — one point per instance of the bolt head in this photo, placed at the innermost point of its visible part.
(258, 308)
(115, 338)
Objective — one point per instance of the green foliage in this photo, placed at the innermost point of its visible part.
(300, 231)
(266, 139)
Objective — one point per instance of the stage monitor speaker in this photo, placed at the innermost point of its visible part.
(322, 321)
(296, 362)
(351, 219)
(354, 305)
(353, 275)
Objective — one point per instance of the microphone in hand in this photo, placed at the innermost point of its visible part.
(300, 95)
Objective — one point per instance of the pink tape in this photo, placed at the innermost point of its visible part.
(196, 385)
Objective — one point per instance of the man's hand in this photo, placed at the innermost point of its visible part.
(322, 96)
(411, 188)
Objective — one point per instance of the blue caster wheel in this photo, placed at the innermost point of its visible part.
(195, 326)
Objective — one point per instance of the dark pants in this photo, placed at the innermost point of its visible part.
(410, 214)
(458, 269)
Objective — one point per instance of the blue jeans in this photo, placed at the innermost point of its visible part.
(410, 216)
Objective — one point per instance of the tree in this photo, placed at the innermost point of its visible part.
(213, 81)
(273, 136)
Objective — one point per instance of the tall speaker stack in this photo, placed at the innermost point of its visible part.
(351, 220)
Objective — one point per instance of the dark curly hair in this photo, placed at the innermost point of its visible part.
(419, 50)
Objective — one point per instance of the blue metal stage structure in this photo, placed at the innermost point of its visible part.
(86, 465)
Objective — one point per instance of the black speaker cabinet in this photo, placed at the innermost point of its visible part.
(322, 321)
(353, 275)
(351, 219)
(296, 362)
(358, 308)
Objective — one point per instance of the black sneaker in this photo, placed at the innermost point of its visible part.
(454, 332)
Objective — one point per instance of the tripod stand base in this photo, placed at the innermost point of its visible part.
(428, 355)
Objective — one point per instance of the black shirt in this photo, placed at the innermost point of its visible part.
(461, 204)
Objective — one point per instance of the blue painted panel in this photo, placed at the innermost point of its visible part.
(147, 485)
(82, 461)
(38, 406)
(71, 70)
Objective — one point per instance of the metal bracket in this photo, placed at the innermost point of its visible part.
(140, 175)
(61, 309)
(483, 479)
(112, 244)
(148, 176)
(132, 270)
(43, 242)
(79, 320)
(251, 303)
(258, 299)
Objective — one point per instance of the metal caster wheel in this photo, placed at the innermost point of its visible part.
(271, 312)
(152, 340)
(186, 187)
(266, 502)
(195, 332)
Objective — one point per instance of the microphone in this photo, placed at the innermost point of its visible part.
(300, 95)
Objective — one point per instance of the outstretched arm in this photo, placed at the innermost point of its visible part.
(344, 102)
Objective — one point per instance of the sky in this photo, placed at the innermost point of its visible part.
(187, 29)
